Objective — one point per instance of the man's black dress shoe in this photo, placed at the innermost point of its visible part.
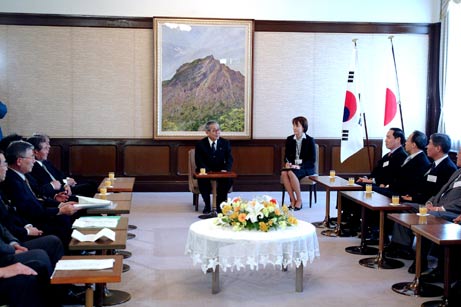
(433, 276)
(412, 268)
(206, 210)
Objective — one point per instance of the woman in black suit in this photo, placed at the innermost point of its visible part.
(299, 160)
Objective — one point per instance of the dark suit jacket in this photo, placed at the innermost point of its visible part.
(24, 201)
(307, 153)
(43, 179)
(441, 174)
(12, 221)
(449, 196)
(388, 166)
(410, 177)
(221, 160)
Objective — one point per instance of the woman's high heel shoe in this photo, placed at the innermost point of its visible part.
(299, 208)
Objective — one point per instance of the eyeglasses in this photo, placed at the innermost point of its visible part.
(33, 157)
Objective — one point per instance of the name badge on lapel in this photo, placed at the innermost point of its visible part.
(386, 164)
(431, 178)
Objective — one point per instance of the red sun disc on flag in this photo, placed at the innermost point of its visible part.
(350, 107)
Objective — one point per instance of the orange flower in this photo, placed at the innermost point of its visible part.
(263, 226)
(234, 215)
(242, 217)
(292, 220)
(277, 212)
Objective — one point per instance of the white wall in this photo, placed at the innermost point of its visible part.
(411, 11)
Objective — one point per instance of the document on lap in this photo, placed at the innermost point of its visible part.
(96, 222)
(88, 202)
(85, 264)
(105, 232)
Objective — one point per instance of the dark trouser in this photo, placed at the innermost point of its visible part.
(223, 186)
(50, 244)
(22, 291)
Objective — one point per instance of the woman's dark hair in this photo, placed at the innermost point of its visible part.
(302, 121)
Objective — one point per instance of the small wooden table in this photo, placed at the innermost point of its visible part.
(333, 184)
(375, 202)
(119, 207)
(447, 236)
(115, 196)
(121, 225)
(415, 287)
(89, 277)
(105, 246)
(119, 184)
(101, 245)
(213, 177)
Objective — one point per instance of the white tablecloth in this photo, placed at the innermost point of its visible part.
(210, 245)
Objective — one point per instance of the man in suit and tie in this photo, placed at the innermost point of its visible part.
(51, 181)
(213, 153)
(382, 175)
(440, 171)
(390, 163)
(411, 174)
(46, 216)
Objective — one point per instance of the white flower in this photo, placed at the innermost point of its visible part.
(254, 209)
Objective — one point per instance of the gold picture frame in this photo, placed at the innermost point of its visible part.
(203, 71)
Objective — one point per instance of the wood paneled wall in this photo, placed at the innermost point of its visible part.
(162, 165)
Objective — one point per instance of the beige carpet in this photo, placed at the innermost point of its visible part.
(162, 275)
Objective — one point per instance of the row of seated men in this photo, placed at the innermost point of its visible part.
(418, 178)
(36, 216)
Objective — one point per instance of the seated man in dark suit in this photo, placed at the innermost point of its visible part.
(17, 225)
(389, 164)
(411, 175)
(50, 179)
(440, 171)
(382, 175)
(51, 219)
(213, 154)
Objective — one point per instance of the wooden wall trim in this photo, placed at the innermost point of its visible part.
(260, 25)
(162, 165)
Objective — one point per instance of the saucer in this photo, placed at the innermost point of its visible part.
(368, 192)
(419, 214)
(394, 205)
(202, 174)
(104, 194)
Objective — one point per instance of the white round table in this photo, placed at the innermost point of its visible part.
(215, 247)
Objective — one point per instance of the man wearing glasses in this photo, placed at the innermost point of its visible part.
(214, 154)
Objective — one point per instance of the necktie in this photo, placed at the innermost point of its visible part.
(430, 169)
(30, 188)
(48, 172)
(213, 147)
(406, 160)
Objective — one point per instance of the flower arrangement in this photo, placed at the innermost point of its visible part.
(262, 213)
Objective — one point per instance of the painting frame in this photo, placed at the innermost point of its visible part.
(186, 43)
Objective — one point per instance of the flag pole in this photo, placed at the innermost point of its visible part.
(367, 141)
(398, 86)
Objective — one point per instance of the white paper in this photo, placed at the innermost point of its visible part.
(96, 222)
(88, 202)
(105, 232)
(85, 264)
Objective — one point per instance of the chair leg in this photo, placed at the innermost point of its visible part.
(195, 201)
(315, 193)
(283, 194)
(310, 196)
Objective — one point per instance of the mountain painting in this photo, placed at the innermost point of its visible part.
(204, 73)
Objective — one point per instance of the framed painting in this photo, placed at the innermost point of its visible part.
(203, 71)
